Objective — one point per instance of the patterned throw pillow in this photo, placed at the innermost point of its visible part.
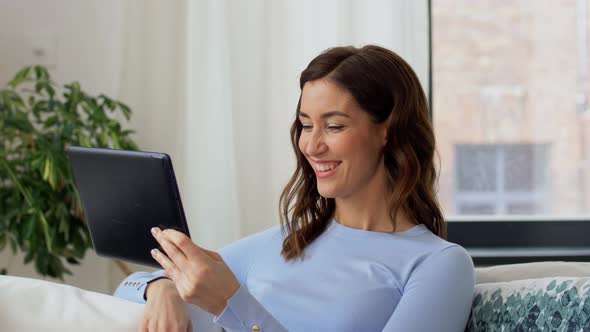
(546, 304)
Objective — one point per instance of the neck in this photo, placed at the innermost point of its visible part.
(368, 208)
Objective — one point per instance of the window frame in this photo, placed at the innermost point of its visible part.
(517, 239)
(504, 196)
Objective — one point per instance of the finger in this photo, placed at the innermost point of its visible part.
(169, 267)
(175, 254)
(184, 243)
(143, 327)
(171, 249)
(153, 325)
(161, 325)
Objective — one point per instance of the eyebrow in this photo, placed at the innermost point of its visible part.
(326, 115)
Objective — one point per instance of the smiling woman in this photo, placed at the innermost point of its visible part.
(361, 244)
(365, 109)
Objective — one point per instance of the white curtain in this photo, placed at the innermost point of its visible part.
(152, 82)
(217, 85)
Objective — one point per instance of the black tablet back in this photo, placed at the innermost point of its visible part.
(124, 195)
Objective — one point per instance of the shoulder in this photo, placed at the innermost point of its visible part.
(438, 251)
(430, 248)
(434, 257)
(449, 255)
(449, 264)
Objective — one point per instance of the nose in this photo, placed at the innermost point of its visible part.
(315, 143)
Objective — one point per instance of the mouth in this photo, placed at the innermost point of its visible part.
(325, 169)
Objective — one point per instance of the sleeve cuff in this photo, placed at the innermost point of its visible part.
(149, 282)
(243, 312)
(134, 286)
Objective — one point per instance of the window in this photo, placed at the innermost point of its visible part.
(510, 101)
(501, 179)
(510, 79)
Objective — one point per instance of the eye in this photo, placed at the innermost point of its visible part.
(335, 128)
(306, 127)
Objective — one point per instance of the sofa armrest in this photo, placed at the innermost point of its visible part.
(37, 305)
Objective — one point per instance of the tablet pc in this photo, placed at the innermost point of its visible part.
(124, 194)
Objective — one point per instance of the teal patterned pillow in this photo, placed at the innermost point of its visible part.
(546, 304)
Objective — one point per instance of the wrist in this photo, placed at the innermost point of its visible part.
(163, 285)
(221, 307)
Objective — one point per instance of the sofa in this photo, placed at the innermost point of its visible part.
(545, 296)
(37, 305)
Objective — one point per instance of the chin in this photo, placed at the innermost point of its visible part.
(327, 192)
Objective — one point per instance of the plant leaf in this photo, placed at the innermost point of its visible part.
(47, 169)
(12, 242)
(29, 257)
(19, 121)
(41, 73)
(51, 121)
(20, 77)
(2, 241)
(29, 227)
(125, 110)
(72, 260)
(41, 262)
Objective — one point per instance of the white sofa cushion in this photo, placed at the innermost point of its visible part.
(511, 272)
(36, 305)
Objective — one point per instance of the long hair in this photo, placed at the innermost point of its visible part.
(383, 84)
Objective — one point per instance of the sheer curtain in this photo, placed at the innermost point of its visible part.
(152, 82)
(215, 84)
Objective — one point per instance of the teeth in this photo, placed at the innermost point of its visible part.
(326, 167)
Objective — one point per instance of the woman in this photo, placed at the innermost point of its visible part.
(361, 244)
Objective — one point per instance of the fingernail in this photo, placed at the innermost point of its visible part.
(155, 231)
(154, 252)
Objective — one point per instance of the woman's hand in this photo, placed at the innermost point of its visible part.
(200, 276)
(165, 310)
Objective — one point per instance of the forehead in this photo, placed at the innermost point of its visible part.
(322, 96)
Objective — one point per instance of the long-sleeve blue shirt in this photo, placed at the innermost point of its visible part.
(350, 280)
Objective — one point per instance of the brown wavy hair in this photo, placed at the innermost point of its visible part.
(383, 84)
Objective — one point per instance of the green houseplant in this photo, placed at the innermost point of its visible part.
(40, 210)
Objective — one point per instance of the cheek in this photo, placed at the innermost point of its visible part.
(344, 146)
(358, 150)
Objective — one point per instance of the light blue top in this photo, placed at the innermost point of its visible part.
(350, 280)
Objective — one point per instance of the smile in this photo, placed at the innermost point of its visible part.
(325, 170)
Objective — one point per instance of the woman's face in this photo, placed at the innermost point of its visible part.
(339, 140)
